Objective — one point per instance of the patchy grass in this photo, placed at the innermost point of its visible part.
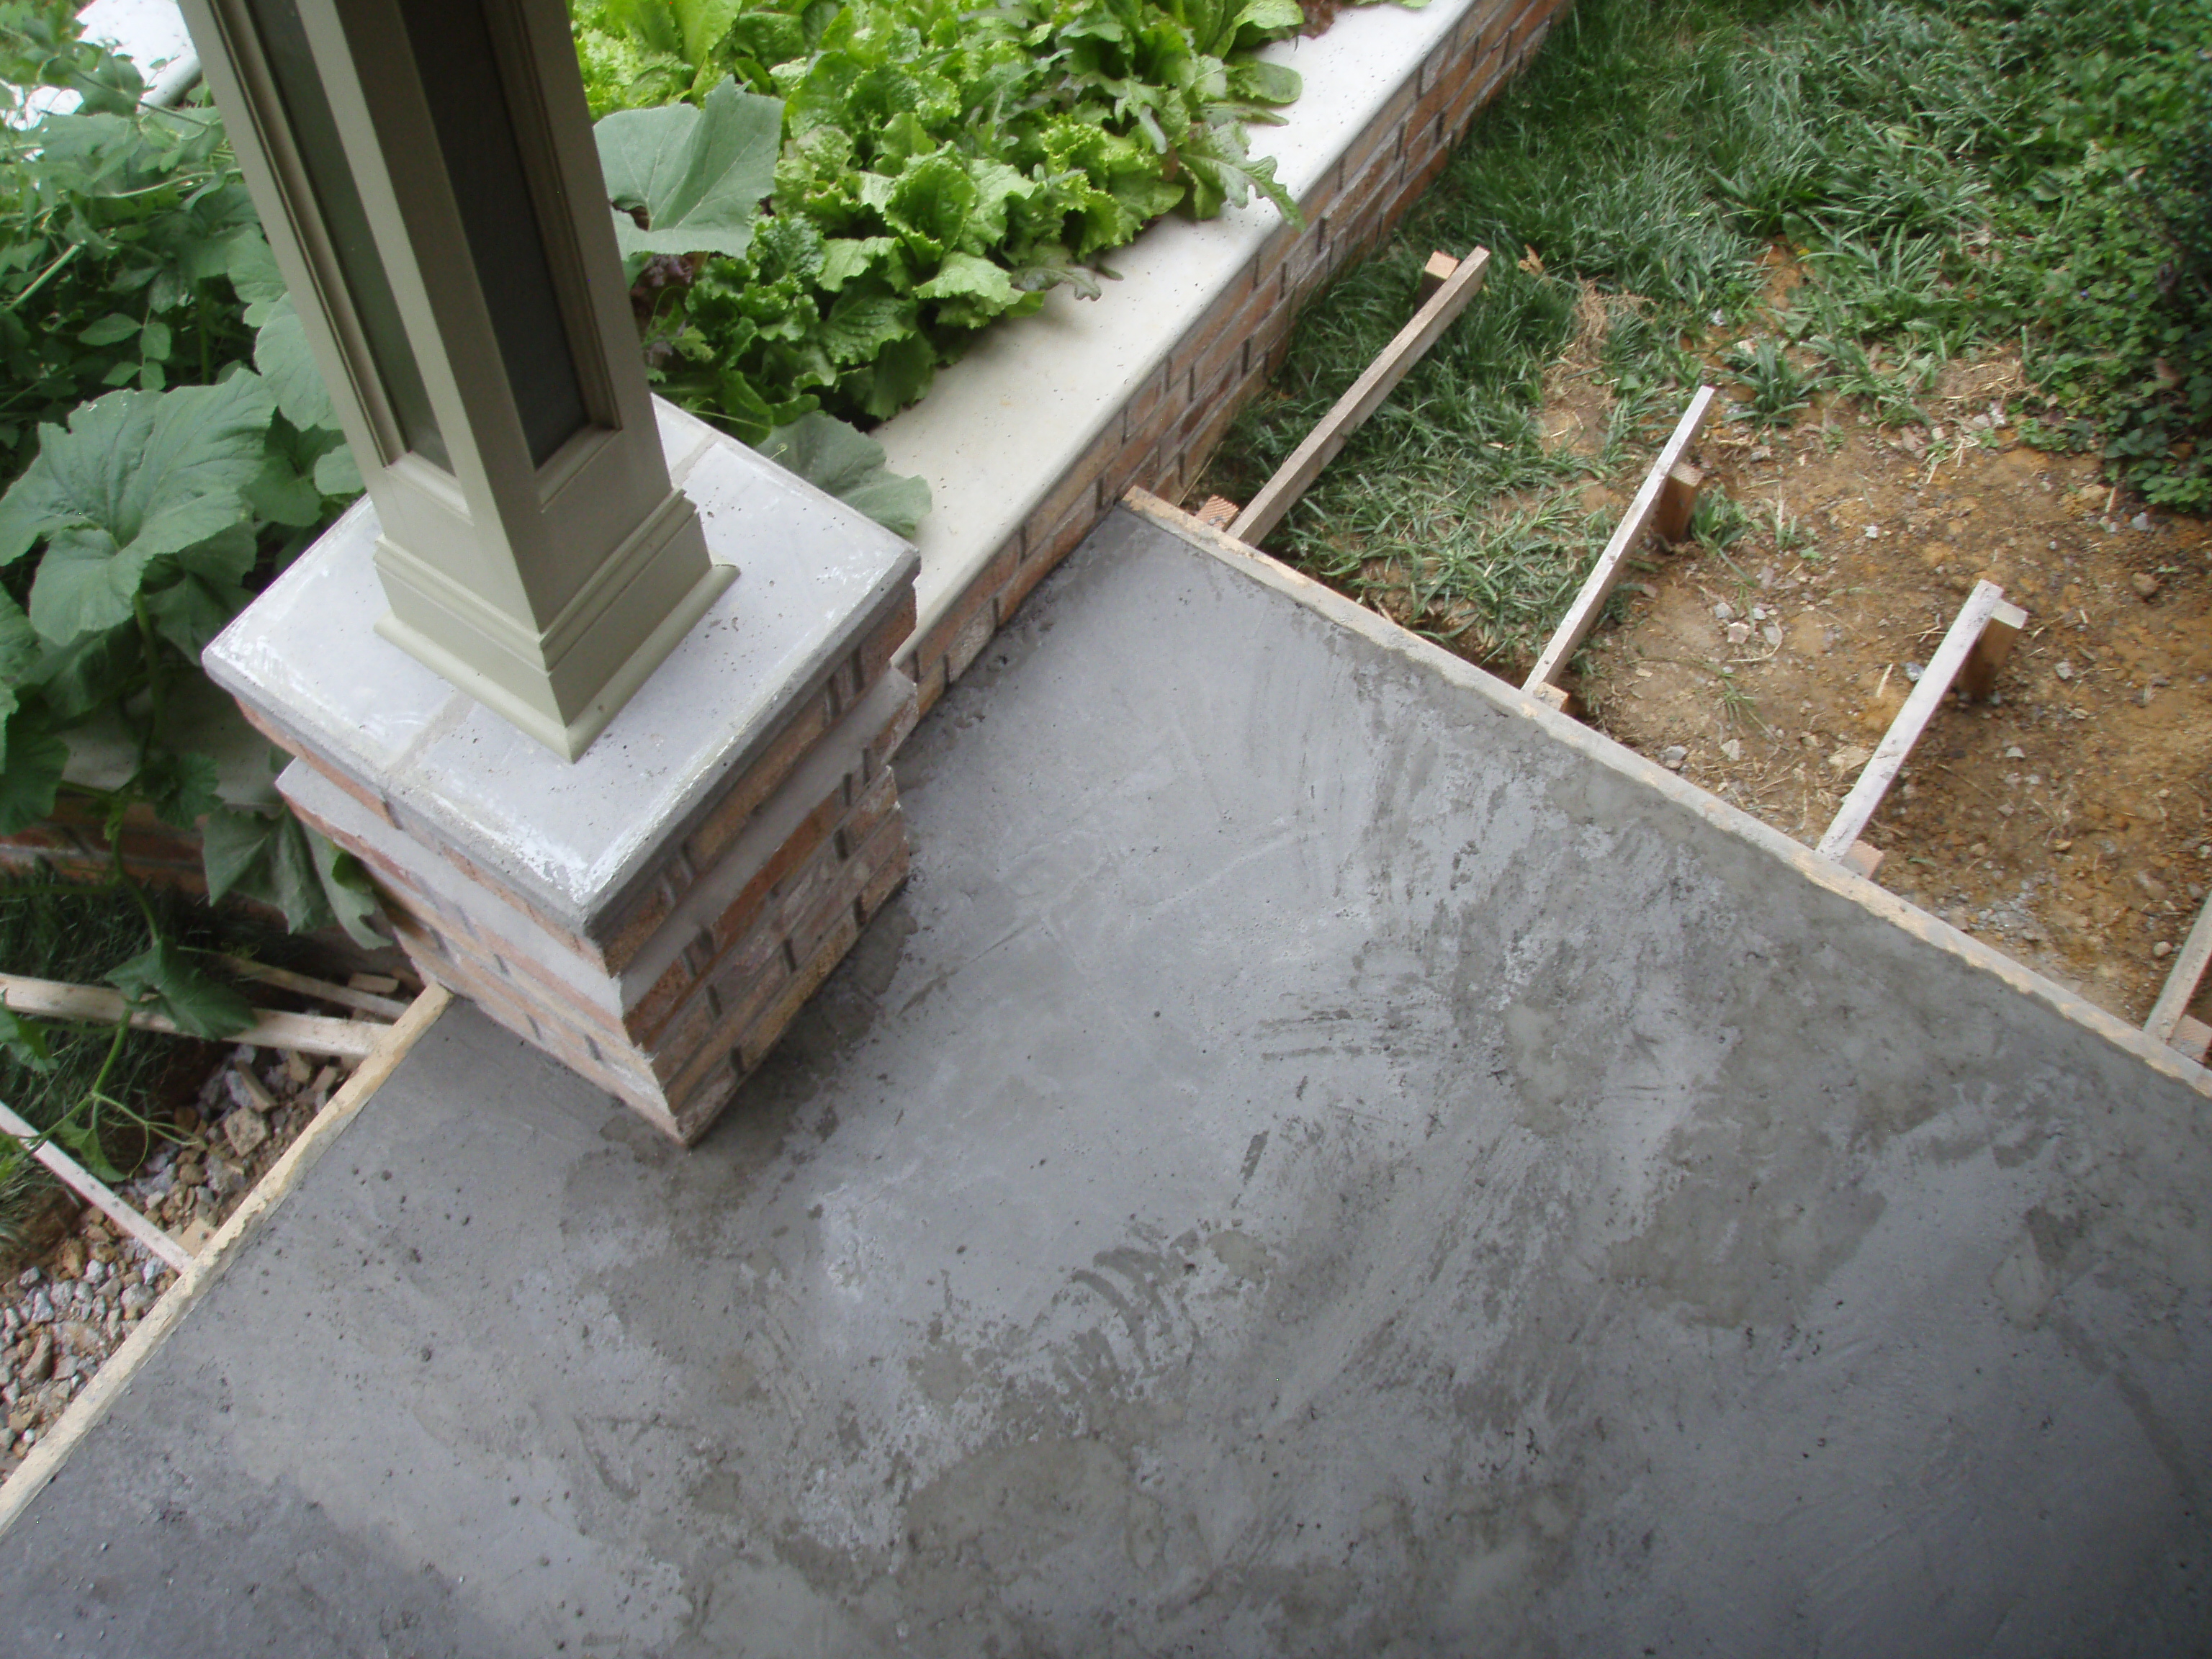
(1809, 202)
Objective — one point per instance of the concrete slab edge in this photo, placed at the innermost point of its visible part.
(1618, 757)
(86, 1411)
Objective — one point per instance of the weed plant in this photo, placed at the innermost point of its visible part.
(1993, 174)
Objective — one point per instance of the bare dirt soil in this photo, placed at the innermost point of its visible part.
(2067, 821)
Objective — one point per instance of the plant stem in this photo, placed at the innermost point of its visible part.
(41, 280)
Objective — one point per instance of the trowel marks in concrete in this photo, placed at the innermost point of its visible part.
(1314, 1164)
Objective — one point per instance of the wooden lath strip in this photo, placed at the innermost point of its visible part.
(95, 1005)
(1296, 476)
(1597, 587)
(1975, 647)
(97, 1193)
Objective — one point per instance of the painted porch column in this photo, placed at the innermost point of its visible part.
(427, 178)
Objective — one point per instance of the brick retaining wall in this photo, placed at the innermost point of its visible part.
(1169, 426)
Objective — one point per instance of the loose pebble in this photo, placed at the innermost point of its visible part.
(1672, 757)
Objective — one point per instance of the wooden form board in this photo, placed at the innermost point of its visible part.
(95, 1004)
(322, 990)
(2173, 1007)
(97, 1193)
(1292, 479)
(1597, 587)
(109, 1382)
(1985, 607)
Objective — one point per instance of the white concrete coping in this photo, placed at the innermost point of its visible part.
(573, 836)
(1001, 427)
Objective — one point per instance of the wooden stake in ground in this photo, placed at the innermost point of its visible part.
(1292, 479)
(2171, 1012)
(1984, 608)
(1597, 587)
(95, 1005)
(95, 1194)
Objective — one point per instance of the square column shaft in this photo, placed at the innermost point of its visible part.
(654, 913)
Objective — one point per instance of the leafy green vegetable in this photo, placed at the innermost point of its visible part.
(936, 168)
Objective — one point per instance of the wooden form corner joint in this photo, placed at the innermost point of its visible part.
(2169, 1022)
(1551, 696)
(2191, 1039)
(1980, 639)
(1862, 858)
(1216, 513)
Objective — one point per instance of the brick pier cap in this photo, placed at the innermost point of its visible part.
(653, 913)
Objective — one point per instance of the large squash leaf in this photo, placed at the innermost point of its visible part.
(697, 173)
(841, 462)
(136, 475)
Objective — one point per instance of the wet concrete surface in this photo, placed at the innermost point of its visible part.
(1312, 1165)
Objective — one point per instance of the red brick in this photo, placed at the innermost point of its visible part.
(727, 819)
(887, 878)
(929, 686)
(813, 832)
(884, 641)
(754, 1046)
(1381, 134)
(740, 1011)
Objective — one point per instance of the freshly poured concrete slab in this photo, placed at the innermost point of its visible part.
(1316, 1163)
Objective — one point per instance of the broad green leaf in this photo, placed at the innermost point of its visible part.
(83, 1141)
(25, 1042)
(1262, 83)
(19, 643)
(154, 339)
(281, 353)
(282, 494)
(190, 612)
(338, 474)
(859, 325)
(928, 204)
(346, 889)
(85, 585)
(698, 174)
(298, 886)
(252, 272)
(1266, 17)
(841, 462)
(165, 979)
(136, 475)
(845, 258)
(32, 772)
(111, 330)
(702, 24)
(232, 842)
(180, 787)
(964, 275)
(74, 679)
(900, 375)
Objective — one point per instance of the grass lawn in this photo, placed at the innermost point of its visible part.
(1803, 202)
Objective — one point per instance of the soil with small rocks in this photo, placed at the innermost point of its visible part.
(2067, 820)
(61, 1318)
